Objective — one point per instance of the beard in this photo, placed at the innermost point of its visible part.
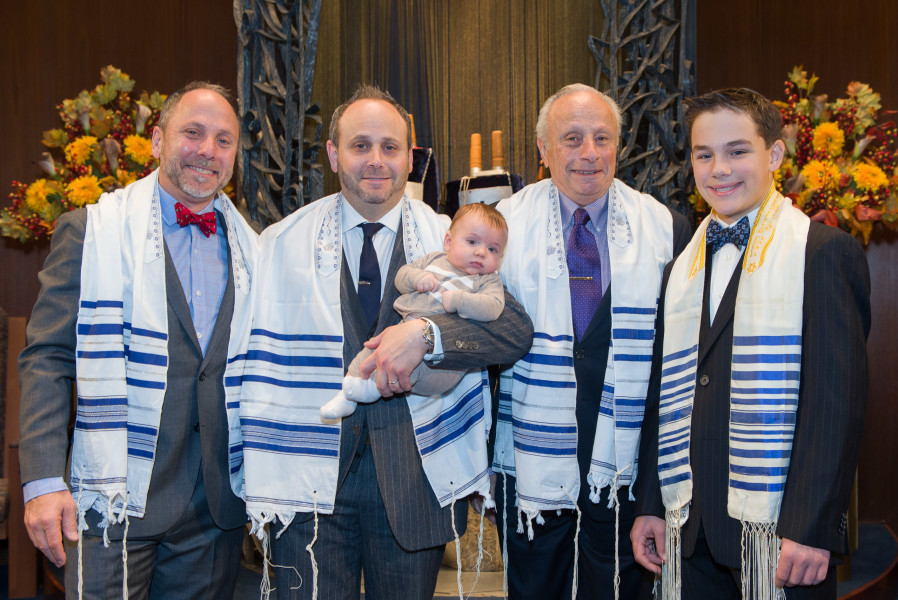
(178, 174)
(352, 188)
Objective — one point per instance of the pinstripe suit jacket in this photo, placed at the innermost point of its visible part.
(415, 517)
(830, 419)
(193, 432)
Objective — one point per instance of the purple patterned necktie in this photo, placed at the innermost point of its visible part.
(584, 273)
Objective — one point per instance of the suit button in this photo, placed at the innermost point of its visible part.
(459, 344)
(196, 427)
(704, 380)
(580, 355)
(356, 429)
(203, 376)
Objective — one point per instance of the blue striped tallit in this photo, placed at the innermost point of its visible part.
(536, 434)
(766, 369)
(451, 432)
(122, 345)
(294, 365)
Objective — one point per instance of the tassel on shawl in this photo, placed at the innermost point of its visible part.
(310, 551)
(672, 570)
(760, 556)
(461, 590)
(576, 582)
(504, 533)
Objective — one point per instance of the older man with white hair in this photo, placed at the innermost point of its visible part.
(585, 257)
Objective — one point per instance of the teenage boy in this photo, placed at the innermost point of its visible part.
(759, 382)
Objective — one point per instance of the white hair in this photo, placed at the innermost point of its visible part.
(542, 123)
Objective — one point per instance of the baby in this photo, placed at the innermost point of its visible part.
(462, 279)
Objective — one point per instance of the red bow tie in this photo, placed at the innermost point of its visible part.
(206, 221)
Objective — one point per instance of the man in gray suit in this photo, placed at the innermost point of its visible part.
(186, 542)
(386, 519)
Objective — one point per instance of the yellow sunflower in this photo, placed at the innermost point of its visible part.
(829, 139)
(37, 192)
(78, 152)
(83, 190)
(818, 174)
(138, 149)
(125, 177)
(869, 177)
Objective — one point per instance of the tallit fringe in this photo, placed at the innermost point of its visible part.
(576, 581)
(82, 526)
(672, 570)
(504, 533)
(309, 548)
(125, 558)
(461, 590)
(760, 555)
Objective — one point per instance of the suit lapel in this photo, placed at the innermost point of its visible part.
(176, 300)
(354, 325)
(387, 316)
(709, 332)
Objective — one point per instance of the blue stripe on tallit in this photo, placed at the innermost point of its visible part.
(138, 331)
(287, 383)
(294, 360)
(632, 310)
(102, 304)
(767, 340)
(86, 329)
(543, 382)
(290, 438)
(284, 337)
(633, 334)
(548, 359)
(539, 335)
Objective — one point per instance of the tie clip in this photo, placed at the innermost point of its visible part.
(364, 282)
(581, 278)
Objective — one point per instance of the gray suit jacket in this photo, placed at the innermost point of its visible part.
(415, 517)
(193, 429)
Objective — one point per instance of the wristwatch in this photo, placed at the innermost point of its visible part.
(427, 334)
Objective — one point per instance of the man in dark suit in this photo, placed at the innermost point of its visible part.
(736, 149)
(578, 132)
(386, 521)
(188, 543)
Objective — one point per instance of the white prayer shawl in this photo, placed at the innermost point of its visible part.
(766, 368)
(536, 432)
(122, 347)
(295, 365)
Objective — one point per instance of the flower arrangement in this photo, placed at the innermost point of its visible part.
(103, 144)
(841, 165)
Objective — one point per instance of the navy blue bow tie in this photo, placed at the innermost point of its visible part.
(718, 236)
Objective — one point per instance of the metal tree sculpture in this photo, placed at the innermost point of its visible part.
(646, 61)
(280, 131)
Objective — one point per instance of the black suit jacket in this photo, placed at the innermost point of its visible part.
(590, 362)
(832, 402)
(193, 431)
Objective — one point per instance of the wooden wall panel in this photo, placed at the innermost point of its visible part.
(52, 50)
(841, 42)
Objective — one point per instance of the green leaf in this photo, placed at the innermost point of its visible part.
(55, 138)
(104, 94)
(118, 80)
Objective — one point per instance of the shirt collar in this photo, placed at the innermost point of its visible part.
(351, 217)
(751, 219)
(596, 210)
(167, 202)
